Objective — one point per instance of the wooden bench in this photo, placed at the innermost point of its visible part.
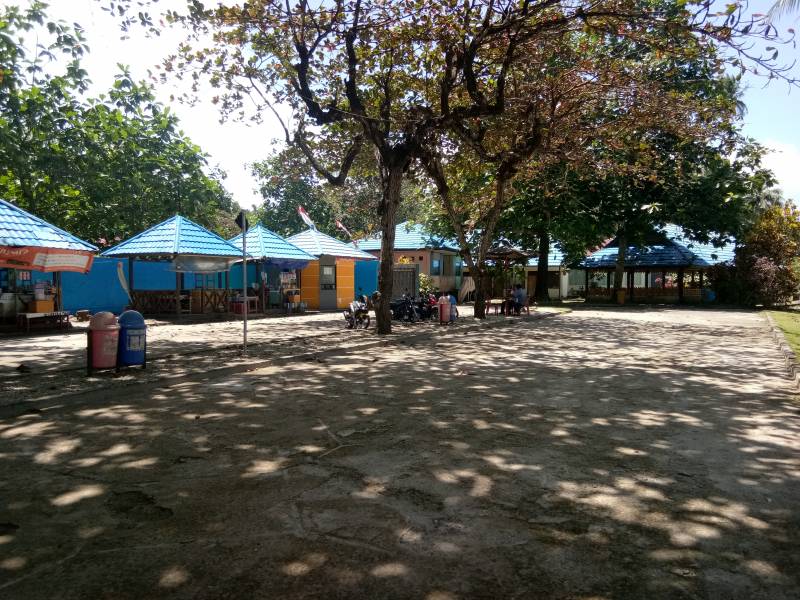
(59, 317)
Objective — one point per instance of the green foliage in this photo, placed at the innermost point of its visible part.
(287, 181)
(766, 269)
(103, 168)
(426, 284)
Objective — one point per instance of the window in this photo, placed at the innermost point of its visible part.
(457, 266)
(206, 281)
(327, 277)
(436, 264)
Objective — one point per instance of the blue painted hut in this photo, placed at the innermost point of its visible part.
(277, 260)
(190, 249)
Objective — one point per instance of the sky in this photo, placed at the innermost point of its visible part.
(773, 116)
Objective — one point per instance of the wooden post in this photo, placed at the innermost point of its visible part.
(663, 279)
(701, 284)
(177, 293)
(646, 278)
(586, 291)
(680, 285)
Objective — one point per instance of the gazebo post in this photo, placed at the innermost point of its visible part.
(130, 280)
(261, 284)
(680, 285)
(586, 289)
(177, 293)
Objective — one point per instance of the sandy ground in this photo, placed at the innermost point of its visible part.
(55, 363)
(597, 454)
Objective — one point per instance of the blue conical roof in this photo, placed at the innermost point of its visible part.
(263, 243)
(317, 244)
(21, 228)
(177, 235)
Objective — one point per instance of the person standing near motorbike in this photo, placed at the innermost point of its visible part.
(453, 307)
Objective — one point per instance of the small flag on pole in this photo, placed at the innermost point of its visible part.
(341, 226)
(306, 219)
(241, 221)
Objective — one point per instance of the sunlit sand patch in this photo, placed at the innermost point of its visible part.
(173, 577)
(394, 569)
(80, 493)
(310, 562)
(265, 467)
(13, 563)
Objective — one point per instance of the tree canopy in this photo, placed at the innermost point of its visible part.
(103, 168)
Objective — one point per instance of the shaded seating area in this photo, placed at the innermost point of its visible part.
(276, 262)
(30, 246)
(668, 267)
(191, 251)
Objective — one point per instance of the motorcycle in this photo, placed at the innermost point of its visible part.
(404, 309)
(357, 314)
(428, 307)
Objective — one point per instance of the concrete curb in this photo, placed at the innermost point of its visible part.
(260, 363)
(789, 357)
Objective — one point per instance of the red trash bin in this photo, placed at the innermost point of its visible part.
(102, 340)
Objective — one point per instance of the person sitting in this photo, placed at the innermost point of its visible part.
(520, 299)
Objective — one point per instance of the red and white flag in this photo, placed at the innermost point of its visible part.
(306, 219)
(341, 226)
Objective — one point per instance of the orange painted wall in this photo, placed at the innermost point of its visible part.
(309, 285)
(345, 282)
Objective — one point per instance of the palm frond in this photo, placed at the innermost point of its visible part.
(783, 7)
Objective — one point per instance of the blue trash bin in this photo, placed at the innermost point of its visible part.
(132, 349)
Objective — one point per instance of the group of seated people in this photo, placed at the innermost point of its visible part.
(516, 298)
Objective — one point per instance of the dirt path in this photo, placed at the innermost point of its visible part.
(600, 454)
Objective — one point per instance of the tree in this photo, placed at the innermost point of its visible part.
(288, 181)
(393, 76)
(102, 168)
(765, 269)
(598, 99)
(783, 7)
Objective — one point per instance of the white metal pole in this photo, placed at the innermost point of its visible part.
(244, 281)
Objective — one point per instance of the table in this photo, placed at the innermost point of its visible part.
(237, 304)
(60, 317)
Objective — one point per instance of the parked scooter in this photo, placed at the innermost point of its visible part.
(357, 314)
(428, 307)
(404, 309)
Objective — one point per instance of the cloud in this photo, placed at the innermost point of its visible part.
(784, 161)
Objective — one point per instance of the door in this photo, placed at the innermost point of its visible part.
(327, 283)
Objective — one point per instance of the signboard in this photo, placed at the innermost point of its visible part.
(47, 260)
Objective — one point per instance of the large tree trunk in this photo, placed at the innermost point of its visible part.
(619, 269)
(481, 279)
(391, 180)
(542, 294)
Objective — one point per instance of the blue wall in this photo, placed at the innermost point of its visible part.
(366, 276)
(100, 289)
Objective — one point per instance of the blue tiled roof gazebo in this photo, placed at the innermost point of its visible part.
(190, 247)
(28, 242)
(271, 250)
(263, 244)
(661, 264)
